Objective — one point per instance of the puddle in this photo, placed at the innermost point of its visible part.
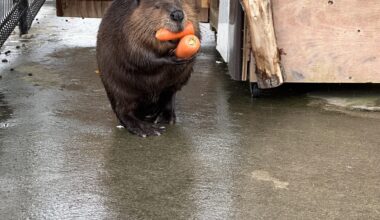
(365, 103)
(265, 176)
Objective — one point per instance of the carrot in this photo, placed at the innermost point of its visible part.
(166, 35)
(188, 46)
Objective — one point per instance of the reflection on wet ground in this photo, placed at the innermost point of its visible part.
(5, 112)
(287, 156)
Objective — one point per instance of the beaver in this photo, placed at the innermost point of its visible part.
(140, 74)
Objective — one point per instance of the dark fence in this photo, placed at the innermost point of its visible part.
(17, 12)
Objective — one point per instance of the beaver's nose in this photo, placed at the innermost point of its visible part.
(177, 15)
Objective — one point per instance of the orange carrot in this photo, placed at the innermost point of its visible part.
(166, 35)
(188, 46)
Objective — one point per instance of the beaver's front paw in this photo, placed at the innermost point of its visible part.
(146, 130)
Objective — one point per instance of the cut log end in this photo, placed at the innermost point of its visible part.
(266, 80)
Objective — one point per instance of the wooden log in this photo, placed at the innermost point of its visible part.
(264, 44)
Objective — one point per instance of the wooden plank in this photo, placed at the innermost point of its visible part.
(246, 50)
(203, 10)
(204, 15)
(336, 42)
(97, 8)
(82, 8)
(205, 3)
(264, 44)
(214, 14)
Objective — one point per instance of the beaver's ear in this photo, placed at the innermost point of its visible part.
(137, 2)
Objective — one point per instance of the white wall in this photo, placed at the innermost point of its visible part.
(223, 29)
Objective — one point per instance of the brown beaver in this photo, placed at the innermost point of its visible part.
(140, 74)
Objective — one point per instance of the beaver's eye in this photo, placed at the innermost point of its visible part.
(156, 6)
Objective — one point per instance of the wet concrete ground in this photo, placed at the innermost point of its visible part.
(292, 156)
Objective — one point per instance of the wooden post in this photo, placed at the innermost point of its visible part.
(264, 44)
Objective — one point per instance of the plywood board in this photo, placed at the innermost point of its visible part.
(329, 41)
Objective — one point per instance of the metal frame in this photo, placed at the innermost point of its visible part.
(17, 12)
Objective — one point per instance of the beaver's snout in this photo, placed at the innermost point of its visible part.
(177, 15)
(175, 26)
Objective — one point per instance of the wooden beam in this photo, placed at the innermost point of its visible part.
(264, 43)
(59, 5)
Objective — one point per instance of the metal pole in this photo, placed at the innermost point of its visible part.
(24, 9)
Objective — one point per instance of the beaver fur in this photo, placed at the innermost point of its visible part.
(141, 75)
